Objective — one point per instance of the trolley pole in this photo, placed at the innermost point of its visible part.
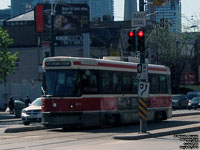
(141, 100)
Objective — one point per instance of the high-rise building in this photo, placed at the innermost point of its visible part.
(98, 8)
(169, 15)
(129, 7)
(4, 13)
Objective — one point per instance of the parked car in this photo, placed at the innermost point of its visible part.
(179, 101)
(190, 95)
(194, 103)
(32, 113)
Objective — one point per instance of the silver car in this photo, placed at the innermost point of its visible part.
(32, 113)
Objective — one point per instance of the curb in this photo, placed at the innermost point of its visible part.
(23, 129)
(139, 136)
(185, 114)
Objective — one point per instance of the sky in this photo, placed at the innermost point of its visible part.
(189, 8)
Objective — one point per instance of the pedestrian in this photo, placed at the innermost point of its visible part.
(27, 101)
(11, 105)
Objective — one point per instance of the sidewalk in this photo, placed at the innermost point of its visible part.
(7, 117)
(160, 132)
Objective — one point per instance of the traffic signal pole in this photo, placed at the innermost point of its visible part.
(141, 8)
(142, 101)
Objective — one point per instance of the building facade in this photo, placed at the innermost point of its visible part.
(168, 15)
(98, 8)
(5, 14)
(129, 7)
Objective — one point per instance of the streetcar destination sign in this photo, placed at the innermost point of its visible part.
(57, 63)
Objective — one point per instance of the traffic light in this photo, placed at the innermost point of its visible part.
(141, 40)
(132, 41)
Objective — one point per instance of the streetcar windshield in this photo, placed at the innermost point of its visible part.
(61, 83)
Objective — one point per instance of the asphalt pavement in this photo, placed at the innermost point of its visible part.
(6, 118)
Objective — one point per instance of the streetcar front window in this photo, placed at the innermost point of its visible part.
(61, 83)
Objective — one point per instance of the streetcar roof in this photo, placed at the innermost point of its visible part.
(93, 63)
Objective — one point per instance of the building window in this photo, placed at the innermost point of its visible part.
(17, 63)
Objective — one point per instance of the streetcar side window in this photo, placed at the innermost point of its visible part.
(126, 82)
(154, 86)
(159, 84)
(163, 84)
(89, 81)
(134, 83)
(106, 82)
(116, 82)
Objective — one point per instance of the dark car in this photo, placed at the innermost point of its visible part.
(179, 101)
(190, 95)
(194, 103)
(19, 105)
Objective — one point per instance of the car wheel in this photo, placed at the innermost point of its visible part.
(26, 123)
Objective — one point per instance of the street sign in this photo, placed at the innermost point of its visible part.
(142, 70)
(139, 19)
(143, 90)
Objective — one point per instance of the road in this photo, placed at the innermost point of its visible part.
(96, 139)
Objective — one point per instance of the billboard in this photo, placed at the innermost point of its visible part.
(67, 17)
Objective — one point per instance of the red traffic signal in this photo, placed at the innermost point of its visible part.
(132, 41)
(130, 33)
(141, 40)
(140, 33)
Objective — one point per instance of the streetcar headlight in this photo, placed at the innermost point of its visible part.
(71, 105)
(54, 105)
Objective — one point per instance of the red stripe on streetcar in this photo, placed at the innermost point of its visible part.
(83, 104)
(118, 66)
(77, 63)
(106, 65)
(159, 101)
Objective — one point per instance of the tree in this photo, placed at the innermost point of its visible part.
(169, 48)
(7, 59)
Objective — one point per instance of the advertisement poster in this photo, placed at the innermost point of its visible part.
(67, 17)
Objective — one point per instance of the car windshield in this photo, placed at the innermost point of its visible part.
(192, 95)
(175, 98)
(63, 83)
(196, 99)
(37, 102)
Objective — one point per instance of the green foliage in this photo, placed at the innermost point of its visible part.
(7, 59)
(169, 46)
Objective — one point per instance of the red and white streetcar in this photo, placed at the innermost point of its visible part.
(100, 92)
